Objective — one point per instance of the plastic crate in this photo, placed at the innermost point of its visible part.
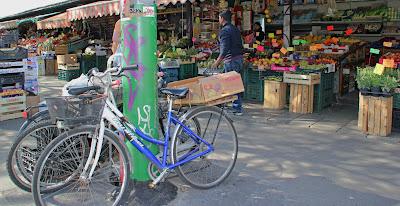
(396, 119)
(170, 75)
(87, 63)
(68, 75)
(101, 63)
(323, 98)
(186, 71)
(396, 100)
(254, 92)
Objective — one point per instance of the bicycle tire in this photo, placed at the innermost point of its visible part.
(36, 118)
(194, 113)
(108, 135)
(13, 164)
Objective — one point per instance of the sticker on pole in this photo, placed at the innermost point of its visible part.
(148, 11)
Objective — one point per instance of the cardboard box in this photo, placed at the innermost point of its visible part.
(32, 101)
(207, 89)
(50, 67)
(67, 59)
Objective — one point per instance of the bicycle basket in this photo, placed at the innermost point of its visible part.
(79, 110)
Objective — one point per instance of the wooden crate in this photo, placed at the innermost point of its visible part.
(375, 115)
(274, 94)
(61, 49)
(301, 98)
(11, 107)
(304, 79)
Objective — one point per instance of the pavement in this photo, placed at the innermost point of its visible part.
(284, 159)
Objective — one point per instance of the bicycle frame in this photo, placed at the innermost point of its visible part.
(117, 119)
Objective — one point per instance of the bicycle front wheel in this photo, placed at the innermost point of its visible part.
(58, 178)
(213, 168)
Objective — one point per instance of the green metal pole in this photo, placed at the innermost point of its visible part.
(139, 46)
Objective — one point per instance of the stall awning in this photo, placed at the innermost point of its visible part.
(9, 24)
(94, 10)
(58, 21)
(106, 8)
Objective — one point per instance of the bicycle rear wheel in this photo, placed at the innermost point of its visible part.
(213, 168)
(26, 150)
(65, 158)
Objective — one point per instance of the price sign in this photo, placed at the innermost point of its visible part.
(379, 69)
(389, 63)
(271, 35)
(374, 51)
(387, 44)
(284, 50)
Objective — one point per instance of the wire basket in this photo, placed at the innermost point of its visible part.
(75, 111)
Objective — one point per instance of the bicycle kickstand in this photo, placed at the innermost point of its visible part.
(163, 174)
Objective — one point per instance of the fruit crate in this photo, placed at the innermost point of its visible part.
(87, 63)
(396, 100)
(187, 71)
(68, 75)
(254, 92)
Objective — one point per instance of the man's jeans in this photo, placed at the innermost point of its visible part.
(237, 66)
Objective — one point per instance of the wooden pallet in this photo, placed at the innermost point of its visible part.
(304, 79)
(11, 107)
(274, 95)
(375, 115)
(301, 98)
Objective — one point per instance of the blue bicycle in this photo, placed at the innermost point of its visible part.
(90, 165)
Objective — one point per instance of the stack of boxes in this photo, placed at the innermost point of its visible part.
(68, 67)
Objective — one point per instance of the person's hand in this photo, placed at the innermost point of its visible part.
(160, 74)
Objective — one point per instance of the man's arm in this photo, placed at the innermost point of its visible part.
(224, 47)
(116, 36)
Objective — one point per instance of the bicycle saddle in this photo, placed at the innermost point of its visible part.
(179, 92)
(81, 90)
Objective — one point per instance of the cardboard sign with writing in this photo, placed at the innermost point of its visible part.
(379, 69)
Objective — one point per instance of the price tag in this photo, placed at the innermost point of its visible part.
(379, 69)
(330, 28)
(255, 46)
(278, 32)
(290, 49)
(271, 35)
(349, 31)
(374, 51)
(284, 50)
(389, 63)
(313, 48)
(387, 44)
(213, 36)
(260, 48)
(296, 42)
(276, 55)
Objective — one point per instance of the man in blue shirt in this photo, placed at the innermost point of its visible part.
(231, 51)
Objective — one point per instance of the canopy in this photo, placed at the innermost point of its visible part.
(58, 21)
(94, 10)
(36, 18)
(9, 24)
(105, 8)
